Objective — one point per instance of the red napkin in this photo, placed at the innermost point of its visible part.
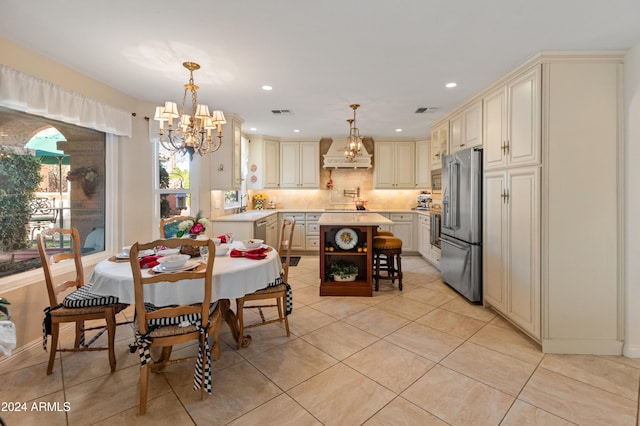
(257, 253)
(223, 238)
(149, 261)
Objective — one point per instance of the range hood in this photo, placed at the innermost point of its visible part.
(335, 159)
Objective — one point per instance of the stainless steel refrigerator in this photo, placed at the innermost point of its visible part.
(461, 234)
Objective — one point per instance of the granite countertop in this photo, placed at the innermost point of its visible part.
(248, 216)
(253, 215)
(354, 219)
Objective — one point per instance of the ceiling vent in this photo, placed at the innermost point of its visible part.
(424, 110)
(281, 112)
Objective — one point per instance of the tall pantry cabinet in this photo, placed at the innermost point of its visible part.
(553, 240)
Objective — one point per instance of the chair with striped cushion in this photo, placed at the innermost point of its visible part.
(80, 305)
(166, 326)
(280, 292)
(169, 226)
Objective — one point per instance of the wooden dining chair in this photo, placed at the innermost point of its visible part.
(166, 326)
(277, 291)
(80, 305)
(169, 225)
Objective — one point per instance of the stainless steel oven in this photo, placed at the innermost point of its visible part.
(434, 237)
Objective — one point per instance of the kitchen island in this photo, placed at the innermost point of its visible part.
(345, 241)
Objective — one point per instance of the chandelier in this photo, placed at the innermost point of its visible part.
(193, 129)
(354, 142)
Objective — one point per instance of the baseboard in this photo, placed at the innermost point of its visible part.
(631, 351)
(582, 346)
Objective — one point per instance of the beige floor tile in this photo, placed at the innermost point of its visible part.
(49, 410)
(509, 342)
(576, 401)
(307, 319)
(631, 362)
(108, 395)
(262, 338)
(281, 410)
(380, 362)
(236, 391)
(378, 297)
(339, 307)
(425, 341)
(82, 366)
(21, 382)
(457, 399)
(405, 307)
(376, 321)
(464, 307)
(428, 296)
(339, 340)
(523, 414)
(458, 325)
(499, 321)
(229, 355)
(437, 285)
(163, 410)
(306, 296)
(596, 371)
(401, 412)
(490, 367)
(290, 364)
(24, 357)
(341, 396)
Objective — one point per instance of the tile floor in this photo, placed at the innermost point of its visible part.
(423, 356)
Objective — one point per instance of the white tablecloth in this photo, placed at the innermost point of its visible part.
(233, 277)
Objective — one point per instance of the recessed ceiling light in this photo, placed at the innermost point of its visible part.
(267, 87)
(450, 85)
(253, 129)
(398, 130)
(296, 131)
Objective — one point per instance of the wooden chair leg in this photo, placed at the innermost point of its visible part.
(283, 300)
(239, 313)
(399, 273)
(111, 332)
(79, 333)
(215, 346)
(144, 384)
(53, 350)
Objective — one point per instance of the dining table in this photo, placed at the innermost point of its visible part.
(233, 277)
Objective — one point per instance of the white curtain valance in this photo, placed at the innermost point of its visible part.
(26, 93)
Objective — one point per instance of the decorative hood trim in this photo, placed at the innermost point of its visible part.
(335, 159)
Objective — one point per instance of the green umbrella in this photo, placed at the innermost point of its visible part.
(46, 150)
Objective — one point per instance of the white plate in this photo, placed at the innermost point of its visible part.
(140, 254)
(346, 238)
(190, 264)
(168, 252)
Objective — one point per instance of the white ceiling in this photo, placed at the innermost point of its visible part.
(319, 56)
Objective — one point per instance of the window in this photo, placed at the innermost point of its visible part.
(48, 181)
(174, 183)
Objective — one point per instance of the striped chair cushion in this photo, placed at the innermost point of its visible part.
(84, 298)
(166, 321)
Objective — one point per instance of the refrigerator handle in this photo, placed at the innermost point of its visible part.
(452, 244)
(454, 186)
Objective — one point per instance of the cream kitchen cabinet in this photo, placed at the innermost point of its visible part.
(439, 144)
(225, 168)
(465, 128)
(395, 168)
(424, 232)
(312, 231)
(298, 240)
(511, 246)
(299, 165)
(512, 122)
(423, 164)
(271, 163)
(403, 227)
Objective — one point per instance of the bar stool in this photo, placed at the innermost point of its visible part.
(391, 248)
(383, 233)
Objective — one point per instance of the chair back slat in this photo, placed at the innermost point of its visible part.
(284, 246)
(48, 259)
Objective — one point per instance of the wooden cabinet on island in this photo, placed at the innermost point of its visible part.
(346, 238)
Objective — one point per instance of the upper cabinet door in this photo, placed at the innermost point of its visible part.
(271, 164)
(495, 129)
(524, 119)
(456, 135)
(309, 165)
(473, 125)
(395, 165)
(518, 144)
(289, 167)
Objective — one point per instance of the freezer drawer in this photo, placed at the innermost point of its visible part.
(461, 267)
